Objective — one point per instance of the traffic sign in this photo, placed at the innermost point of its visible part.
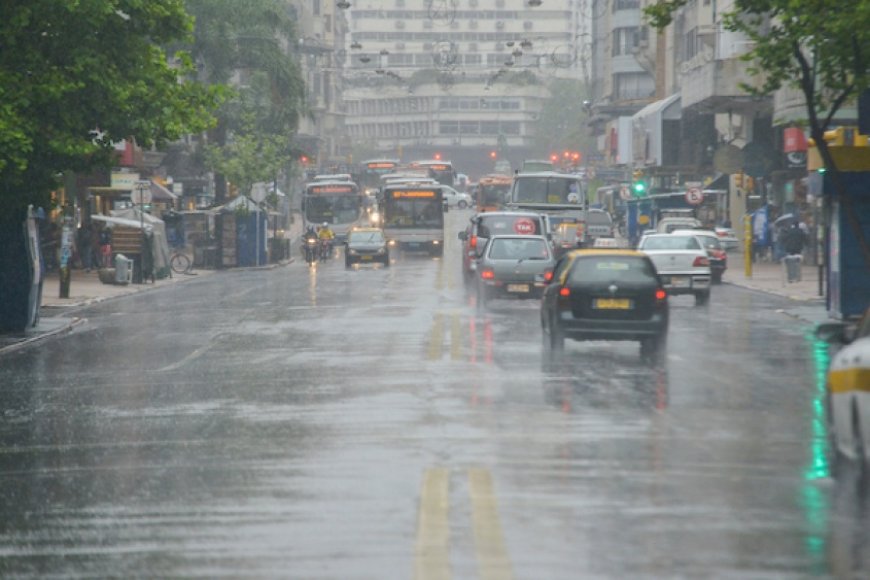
(524, 226)
(694, 196)
(141, 193)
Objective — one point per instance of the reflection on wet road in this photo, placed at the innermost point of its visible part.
(318, 422)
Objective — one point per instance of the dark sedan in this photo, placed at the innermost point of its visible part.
(605, 295)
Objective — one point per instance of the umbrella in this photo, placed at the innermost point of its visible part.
(785, 220)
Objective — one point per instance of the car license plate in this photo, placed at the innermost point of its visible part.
(517, 287)
(366, 257)
(613, 303)
(680, 281)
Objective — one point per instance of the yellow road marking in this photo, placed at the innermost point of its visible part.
(436, 337)
(432, 550)
(492, 558)
(455, 336)
(848, 380)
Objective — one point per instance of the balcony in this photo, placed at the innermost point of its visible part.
(713, 84)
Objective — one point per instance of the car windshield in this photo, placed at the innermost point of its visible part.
(518, 249)
(670, 243)
(710, 242)
(608, 269)
(366, 237)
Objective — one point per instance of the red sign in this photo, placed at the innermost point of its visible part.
(524, 226)
(794, 140)
(331, 189)
(694, 196)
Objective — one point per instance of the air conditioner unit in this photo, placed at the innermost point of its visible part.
(527, 25)
(472, 24)
(499, 24)
(400, 24)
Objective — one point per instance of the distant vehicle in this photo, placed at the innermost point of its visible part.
(455, 198)
(333, 177)
(513, 266)
(413, 217)
(338, 203)
(599, 224)
(484, 225)
(681, 262)
(372, 170)
(670, 224)
(502, 166)
(366, 245)
(715, 251)
(847, 395)
(492, 190)
(728, 238)
(440, 171)
(535, 165)
(561, 196)
(605, 295)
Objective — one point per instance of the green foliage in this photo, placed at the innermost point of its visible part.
(562, 121)
(248, 157)
(77, 76)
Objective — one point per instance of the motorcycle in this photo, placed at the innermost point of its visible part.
(325, 250)
(310, 248)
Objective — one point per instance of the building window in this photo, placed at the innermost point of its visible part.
(315, 7)
(626, 5)
(630, 86)
(624, 40)
(448, 127)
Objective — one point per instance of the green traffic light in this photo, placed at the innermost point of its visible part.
(639, 187)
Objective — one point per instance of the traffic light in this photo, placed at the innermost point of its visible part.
(437, 157)
(304, 160)
(493, 154)
(638, 184)
(554, 158)
(576, 157)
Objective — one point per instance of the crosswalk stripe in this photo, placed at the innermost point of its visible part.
(493, 562)
(432, 550)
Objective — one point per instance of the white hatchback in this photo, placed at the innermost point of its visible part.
(681, 262)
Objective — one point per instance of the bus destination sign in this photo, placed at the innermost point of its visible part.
(332, 189)
(414, 193)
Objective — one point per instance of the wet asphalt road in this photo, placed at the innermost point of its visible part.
(324, 423)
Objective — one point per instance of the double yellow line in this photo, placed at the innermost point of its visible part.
(436, 337)
(432, 549)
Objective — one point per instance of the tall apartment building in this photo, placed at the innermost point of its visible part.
(321, 27)
(457, 78)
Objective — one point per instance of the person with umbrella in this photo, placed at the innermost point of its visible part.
(793, 239)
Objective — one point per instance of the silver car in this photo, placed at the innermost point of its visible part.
(682, 264)
(513, 266)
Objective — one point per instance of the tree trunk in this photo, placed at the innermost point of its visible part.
(16, 276)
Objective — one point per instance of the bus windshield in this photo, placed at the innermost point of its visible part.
(403, 210)
(543, 189)
(373, 170)
(492, 195)
(332, 202)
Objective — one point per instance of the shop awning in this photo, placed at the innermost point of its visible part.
(648, 132)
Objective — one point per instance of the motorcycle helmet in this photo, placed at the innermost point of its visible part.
(326, 224)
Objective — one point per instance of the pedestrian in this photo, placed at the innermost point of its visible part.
(86, 253)
(793, 240)
(106, 247)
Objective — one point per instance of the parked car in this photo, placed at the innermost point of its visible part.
(366, 245)
(605, 295)
(681, 262)
(454, 198)
(486, 224)
(670, 224)
(848, 390)
(715, 251)
(516, 266)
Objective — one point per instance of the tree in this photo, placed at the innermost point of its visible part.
(75, 77)
(820, 47)
(561, 124)
(256, 38)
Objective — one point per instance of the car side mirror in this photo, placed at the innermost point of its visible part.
(463, 235)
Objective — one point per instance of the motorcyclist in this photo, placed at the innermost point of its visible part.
(326, 236)
(309, 235)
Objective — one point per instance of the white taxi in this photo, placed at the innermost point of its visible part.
(848, 389)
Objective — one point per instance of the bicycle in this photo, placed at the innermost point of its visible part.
(180, 263)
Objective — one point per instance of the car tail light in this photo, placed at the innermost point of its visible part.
(487, 274)
(701, 261)
(548, 275)
(564, 291)
(473, 242)
(661, 295)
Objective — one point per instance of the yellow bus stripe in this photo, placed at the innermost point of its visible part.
(492, 558)
(848, 380)
(436, 337)
(432, 550)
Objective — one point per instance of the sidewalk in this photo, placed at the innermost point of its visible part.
(769, 277)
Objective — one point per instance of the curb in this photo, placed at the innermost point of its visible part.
(772, 292)
(68, 327)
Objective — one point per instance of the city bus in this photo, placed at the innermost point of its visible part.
(559, 196)
(338, 203)
(492, 191)
(413, 217)
(373, 170)
(440, 171)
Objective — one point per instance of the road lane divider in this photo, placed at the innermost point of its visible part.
(455, 336)
(436, 337)
(493, 562)
(432, 549)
